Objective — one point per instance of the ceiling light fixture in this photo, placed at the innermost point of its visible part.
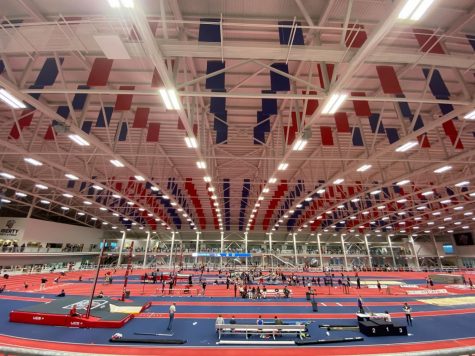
(117, 163)
(414, 9)
(403, 182)
(191, 142)
(443, 169)
(10, 100)
(334, 103)
(170, 98)
(299, 144)
(20, 194)
(140, 178)
(97, 187)
(407, 146)
(78, 140)
(207, 179)
(283, 166)
(364, 168)
(32, 161)
(201, 164)
(7, 175)
(462, 184)
(41, 186)
(470, 115)
(71, 176)
(67, 195)
(272, 180)
(375, 192)
(338, 181)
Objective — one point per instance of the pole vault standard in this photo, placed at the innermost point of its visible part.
(101, 255)
(127, 271)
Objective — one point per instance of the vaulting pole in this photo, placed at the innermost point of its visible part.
(127, 271)
(88, 310)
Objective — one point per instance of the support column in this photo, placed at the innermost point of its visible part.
(294, 235)
(370, 261)
(320, 251)
(411, 240)
(436, 250)
(245, 245)
(146, 249)
(342, 237)
(392, 251)
(171, 250)
(122, 242)
(222, 249)
(270, 251)
(197, 246)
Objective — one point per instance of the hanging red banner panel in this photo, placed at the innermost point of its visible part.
(100, 72)
(389, 81)
(428, 41)
(341, 120)
(356, 36)
(153, 132)
(327, 137)
(361, 106)
(141, 118)
(124, 101)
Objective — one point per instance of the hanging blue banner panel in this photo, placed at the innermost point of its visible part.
(216, 82)
(392, 134)
(356, 137)
(100, 118)
(48, 73)
(209, 32)
(285, 33)
(277, 81)
(79, 99)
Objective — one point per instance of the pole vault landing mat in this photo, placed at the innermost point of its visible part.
(105, 313)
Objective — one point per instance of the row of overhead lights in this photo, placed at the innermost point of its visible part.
(381, 207)
(403, 213)
(70, 176)
(366, 167)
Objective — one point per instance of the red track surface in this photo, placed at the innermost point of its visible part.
(15, 283)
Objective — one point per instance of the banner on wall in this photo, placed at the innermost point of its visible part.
(11, 228)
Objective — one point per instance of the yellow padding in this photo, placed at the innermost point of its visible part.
(382, 282)
(443, 302)
(126, 309)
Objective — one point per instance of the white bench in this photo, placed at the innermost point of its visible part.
(233, 329)
(279, 294)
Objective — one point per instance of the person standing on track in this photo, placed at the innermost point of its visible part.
(235, 289)
(43, 283)
(171, 315)
(379, 286)
(407, 310)
(358, 283)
